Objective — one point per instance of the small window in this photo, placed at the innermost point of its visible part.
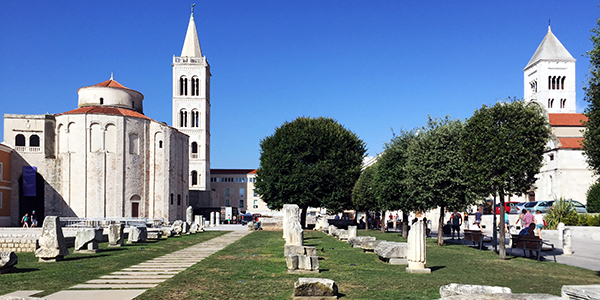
(227, 192)
(241, 192)
(255, 205)
(34, 141)
(551, 156)
(159, 144)
(194, 178)
(241, 203)
(178, 199)
(227, 202)
(101, 100)
(20, 140)
(171, 197)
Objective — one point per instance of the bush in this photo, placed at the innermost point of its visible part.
(562, 211)
(593, 198)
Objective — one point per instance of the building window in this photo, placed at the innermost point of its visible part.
(195, 86)
(255, 205)
(101, 100)
(563, 103)
(171, 198)
(183, 122)
(1, 171)
(194, 178)
(194, 150)
(550, 103)
(134, 144)
(241, 203)
(159, 144)
(241, 192)
(20, 140)
(227, 203)
(195, 116)
(227, 192)
(551, 156)
(183, 86)
(178, 199)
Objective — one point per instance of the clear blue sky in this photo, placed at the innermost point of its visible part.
(371, 65)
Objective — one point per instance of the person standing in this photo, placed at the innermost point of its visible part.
(33, 219)
(478, 215)
(528, 218)
(466, 219)
(539, 222)
(456, 222)
(25, 220)
(521, 215)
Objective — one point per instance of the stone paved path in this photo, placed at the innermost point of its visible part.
(135, 280)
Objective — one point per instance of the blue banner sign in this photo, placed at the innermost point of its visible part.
(29, 181)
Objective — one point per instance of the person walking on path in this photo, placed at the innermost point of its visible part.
(521, 215)
(478, 216)
(539, 223)
(25, 220)
(456, 222)
(528, 218)
(33, 219)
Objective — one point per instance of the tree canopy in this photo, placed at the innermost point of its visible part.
(363, 193)
(309, 162)
(435, 176)
(591, 142)
(503, 150)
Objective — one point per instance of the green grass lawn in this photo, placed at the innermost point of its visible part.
(79, 268)
(254, 268)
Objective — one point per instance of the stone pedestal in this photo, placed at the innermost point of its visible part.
(116, 238)
(567, 242)
(416, 253)
(561, 229)
(137, 235)
(86, 240)
(217, 218)
(212, 219)
(352, 231)
(291, 212)
(295, 235)
(52, 241)
(189, 215)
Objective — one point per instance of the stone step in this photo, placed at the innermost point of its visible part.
(115, 286)
(126, 281)
(134, 276)
(138, 273)
(153, 269)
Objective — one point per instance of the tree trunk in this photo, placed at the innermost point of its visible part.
(404, 225)
(440, 238)
(303, 217)
(502, 238)
(383, 223)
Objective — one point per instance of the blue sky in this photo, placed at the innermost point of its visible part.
(372, 65)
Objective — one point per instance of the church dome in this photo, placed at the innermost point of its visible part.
(110, 93)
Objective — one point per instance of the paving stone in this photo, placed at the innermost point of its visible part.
(96, 295)
(115, 286)
(135, 276)
(126, 281)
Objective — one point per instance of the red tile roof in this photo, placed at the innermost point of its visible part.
(106, 110)
(567, 119)
(570, 143)
(111, 83)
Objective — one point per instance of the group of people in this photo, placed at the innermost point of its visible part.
(29, 220)
(456, 220)
(527, 219)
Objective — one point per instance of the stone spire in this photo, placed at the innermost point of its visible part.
(550, 49)
(191, 45)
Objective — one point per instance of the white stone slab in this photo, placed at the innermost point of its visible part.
(96, 295)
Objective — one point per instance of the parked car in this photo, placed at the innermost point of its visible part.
(507, 206)
(517, 209)
(543, 206)
(246, 218)
(580, 208)
(530, 205)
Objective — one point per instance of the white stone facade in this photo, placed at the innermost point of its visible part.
(104, 159)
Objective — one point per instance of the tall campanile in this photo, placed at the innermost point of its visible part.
(191, 108)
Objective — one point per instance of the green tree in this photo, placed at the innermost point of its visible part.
(502, 149)
(390, 178)
(363, 193)
(435, 176)
(591, 135)
(593, 198)
(309, 162)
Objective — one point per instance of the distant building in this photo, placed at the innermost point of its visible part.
(235, 188)
(549, 79)
(103, 159)
(5, 189)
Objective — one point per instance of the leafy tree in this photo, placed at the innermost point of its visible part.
(593, 198)
(309, 162)
(502, 149)
(363, 193)
(390, 177)
(591, 135)
(435, 176)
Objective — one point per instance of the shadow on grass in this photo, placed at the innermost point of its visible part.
(113, 249)
(435, 268)
(311, 238)
(84, 257)
(340, 295)
(23, 270)
(598, 273)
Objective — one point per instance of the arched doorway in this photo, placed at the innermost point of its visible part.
(32, 196)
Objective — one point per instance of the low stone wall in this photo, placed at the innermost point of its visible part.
(582, 232)
(272, 224)
(26, 239)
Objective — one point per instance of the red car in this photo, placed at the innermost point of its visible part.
(507, 206)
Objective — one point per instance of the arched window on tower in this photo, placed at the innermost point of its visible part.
(20, 140)
(183, 122)
(195, 86)
(195, 116)
(183, 85)
(550, 103)
(549, 82)
(554, 82)
(194, 178)
(562, 83)
(563, 103)
(194, 150)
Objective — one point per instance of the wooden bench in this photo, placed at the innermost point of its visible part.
(531, 243)
(476, 236)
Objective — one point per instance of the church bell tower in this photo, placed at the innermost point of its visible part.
(191, 106)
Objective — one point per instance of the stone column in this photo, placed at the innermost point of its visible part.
(561, 228)
(217, 218)
(289, 211)
(567, 242)
(295, 236)
(352, 231)
(212, 219)
(116, 238)
(416, 252)
(189, 215)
